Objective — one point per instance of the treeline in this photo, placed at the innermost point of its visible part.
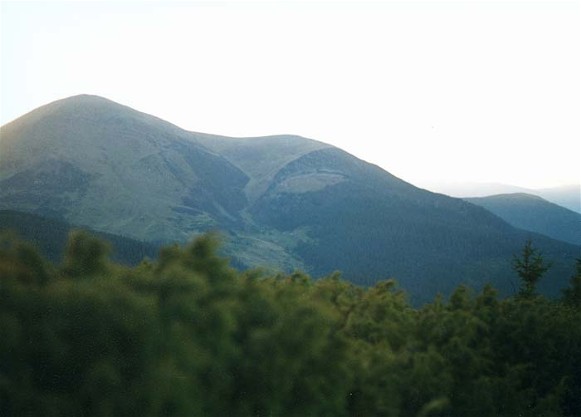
(50, 236)
(187, 335)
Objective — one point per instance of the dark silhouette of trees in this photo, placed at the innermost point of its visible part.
(187, 335)
(572, 294)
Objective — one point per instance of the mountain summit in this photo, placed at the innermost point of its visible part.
(91, 161)
(281, 201)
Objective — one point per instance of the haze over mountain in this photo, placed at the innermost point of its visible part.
(535, 214)
(282, 201)
(568, 196)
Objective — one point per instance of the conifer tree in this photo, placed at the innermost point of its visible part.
(572, 295)
(530, 267)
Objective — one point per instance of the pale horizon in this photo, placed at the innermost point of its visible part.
(433, 92)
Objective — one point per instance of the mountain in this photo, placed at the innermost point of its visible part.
(283, 202)
(50, 237)
(568, 196)
(535, 214)
(93, 162)
(370, 224)
(89, 161)
(474, 189)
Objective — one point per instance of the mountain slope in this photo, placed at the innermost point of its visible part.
(282, 201)
(90, 161)
(260, 158)
(371, 225)
(355, 217)
(535, 214)
(50, 237)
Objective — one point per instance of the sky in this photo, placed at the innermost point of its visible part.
(433, 92)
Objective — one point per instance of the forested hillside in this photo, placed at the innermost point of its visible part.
(187, 335)
(50, 237)
(535, 214)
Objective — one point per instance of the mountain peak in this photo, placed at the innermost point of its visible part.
(84, 98)
(77, 116)
(82, 105)
(88, 103)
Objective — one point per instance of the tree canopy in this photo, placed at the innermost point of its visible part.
(187, 335)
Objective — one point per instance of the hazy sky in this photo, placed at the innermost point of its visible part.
(431, 91)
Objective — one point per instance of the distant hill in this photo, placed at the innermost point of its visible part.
(568, 196)
(283, 202)
(474, 189)
(50, 237)
(530, 212)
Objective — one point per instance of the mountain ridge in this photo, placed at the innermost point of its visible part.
(281, 201)
(567, 196)
(533, 213)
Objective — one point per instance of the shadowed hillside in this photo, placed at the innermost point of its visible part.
(50, 237)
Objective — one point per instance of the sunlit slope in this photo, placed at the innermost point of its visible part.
(281, 201)
(533, 213)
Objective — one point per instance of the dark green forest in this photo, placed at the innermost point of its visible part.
(188, 335)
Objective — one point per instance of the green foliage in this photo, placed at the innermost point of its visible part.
(85, 256)
(187, 335)
(530, 267)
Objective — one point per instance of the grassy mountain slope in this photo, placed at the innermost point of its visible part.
(535, 214)
(90, 161)
(260, 158)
